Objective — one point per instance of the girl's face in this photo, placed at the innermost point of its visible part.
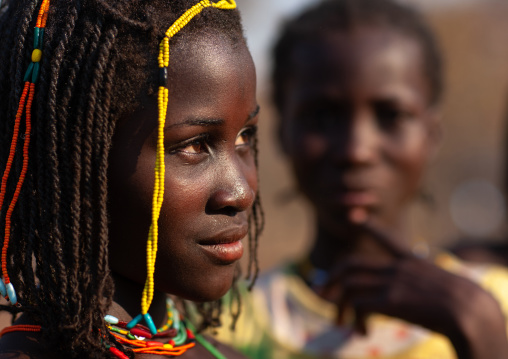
(211, 178)
(356, 123)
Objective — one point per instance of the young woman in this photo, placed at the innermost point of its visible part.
(135, 177)
(357, 84)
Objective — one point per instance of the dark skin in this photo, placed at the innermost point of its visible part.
(210, 186)
(359, 131)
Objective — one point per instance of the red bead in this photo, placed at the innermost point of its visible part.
(141, 333)
(170, 333)
(141, 326)
(118, 353)
(121, 324)
(190, 334)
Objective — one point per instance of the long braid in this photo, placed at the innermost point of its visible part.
(105, 284)
(59, 285)
(69, 139)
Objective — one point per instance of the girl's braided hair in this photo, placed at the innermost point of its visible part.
(98, 57)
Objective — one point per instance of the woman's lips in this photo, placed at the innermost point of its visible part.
(224, 253)
(226, 247)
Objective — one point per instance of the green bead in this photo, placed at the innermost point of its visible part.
(36, 38)
(181, 337)
(116, 330)
(41, 37)
(28, 72)
(35, 74)
(149, 322)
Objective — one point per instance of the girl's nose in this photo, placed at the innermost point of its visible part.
(235, 190)
(357, 145)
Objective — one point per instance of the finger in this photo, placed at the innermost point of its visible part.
(387, 240)
(331, 293)
(357, 310)
(360, 324)
(358, 288)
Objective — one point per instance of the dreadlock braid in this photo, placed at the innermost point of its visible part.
(98, 57)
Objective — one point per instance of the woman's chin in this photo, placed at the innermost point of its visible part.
(208, 290)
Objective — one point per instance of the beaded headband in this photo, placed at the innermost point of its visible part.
(25, 104)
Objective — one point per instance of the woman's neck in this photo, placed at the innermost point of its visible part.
(127, 301)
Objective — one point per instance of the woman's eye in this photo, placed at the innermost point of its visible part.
(389, 116)
(246, 137)
(194, 147)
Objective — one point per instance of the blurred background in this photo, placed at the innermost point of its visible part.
(465, 182)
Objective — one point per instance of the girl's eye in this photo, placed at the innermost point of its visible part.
(195, 147)
(246, 137)
(390, 116)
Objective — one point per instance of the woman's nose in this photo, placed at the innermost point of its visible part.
(235, 188)
(357, 145)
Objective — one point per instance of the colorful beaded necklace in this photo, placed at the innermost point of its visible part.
(126, 333)
(179, 332)
(139, 339)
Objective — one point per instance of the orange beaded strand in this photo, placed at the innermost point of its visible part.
(26, 100)
(20, 328)
(5, 176)
(143, 347)
(28, 129)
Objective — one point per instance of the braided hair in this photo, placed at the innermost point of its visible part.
(99, 55)
(344, 16)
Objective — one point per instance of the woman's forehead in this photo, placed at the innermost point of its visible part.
(370, 58)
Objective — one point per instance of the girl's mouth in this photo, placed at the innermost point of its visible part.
(225, 247)
(224, 253)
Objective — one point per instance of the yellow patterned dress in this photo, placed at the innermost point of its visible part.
(283, 319)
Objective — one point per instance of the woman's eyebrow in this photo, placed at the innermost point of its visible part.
(194, 121)
(205, 122)
(253, 113)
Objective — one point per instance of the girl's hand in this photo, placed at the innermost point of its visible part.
(417, 291)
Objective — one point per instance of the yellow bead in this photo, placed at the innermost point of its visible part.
(36, 55)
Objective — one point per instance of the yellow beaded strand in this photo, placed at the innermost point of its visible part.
(163, 94)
